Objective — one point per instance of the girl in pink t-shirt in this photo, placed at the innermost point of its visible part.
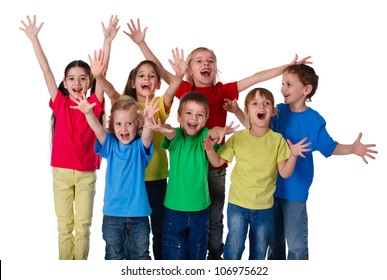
(73, 159)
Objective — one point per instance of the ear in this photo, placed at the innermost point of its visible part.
(133, 84)
(158, 85)
(178, 118)
(308, 89)
(64, 83)
(274, 111)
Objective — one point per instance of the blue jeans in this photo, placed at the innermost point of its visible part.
(156, 193)
(261, 228)
(216, 186)
(127, 238)
(185, 235)
(291, 226)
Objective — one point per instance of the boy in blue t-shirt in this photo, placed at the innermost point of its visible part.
(295, 120)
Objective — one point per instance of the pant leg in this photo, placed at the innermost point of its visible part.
(137, 238)
(216, 185)
(277, 246)
(156, 193)
(83, 204)
(261, 228)
(237, 223)
(198, 223)
(114, 234)
(174, 235)
(63, 187)
(296, 229)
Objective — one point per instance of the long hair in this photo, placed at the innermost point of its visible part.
(130, 90)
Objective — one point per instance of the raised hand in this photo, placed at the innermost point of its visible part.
(179, 64)
(30, 28)
(135, 33)
(111, 31)
(228, 129)
(363, 150)
(83, 105)
(97, 63)
(301, 61)
(149, 110)
(230, 105)
(300, 148)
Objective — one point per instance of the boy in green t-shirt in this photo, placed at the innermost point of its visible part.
(185, 225)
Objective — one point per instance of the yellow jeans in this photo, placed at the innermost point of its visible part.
(74, 193)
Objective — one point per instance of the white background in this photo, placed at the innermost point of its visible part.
(346, 39)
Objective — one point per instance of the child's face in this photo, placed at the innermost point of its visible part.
(146, 82)
(203, 69)
(125, 125)
(293, 90)
(192, 118)
(259, 111)
(77, 82)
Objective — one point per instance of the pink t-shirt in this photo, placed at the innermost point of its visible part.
(74, 140)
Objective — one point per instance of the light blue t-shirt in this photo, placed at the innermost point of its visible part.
(125, 192)
(295, 126)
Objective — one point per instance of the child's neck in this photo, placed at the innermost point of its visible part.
(258, 131)
(298, 107)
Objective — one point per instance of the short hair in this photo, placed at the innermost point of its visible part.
(306, 75)
(126, 103)
(195, 97)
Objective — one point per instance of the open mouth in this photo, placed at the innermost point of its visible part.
(125, 136)
(192, 126)
(205, 72)
(261, 116)
(145, 86)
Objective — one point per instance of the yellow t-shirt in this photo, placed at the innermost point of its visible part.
(158, 166)
(255, 172)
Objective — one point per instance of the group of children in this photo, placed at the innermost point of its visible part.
(184, 197)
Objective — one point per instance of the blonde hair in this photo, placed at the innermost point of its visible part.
(189, 75)
(126, 103)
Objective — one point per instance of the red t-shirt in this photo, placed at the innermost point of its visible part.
(74, 140)
(215, 95)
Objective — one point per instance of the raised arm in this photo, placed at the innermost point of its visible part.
(357, 148)
(32, 31)
(180, 67)
(268, 74)
(98, 65)
(212, 156)
(218, 132)
(148, 113)
(85, 107)
(286, 167)
(232, 107)
(109, 33)
(138, 37)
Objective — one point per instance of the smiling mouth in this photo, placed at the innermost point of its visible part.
(261, 116)
(205, 73)
(145, 86)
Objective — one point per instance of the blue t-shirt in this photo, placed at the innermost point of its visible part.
(125, 192)
(295, 126)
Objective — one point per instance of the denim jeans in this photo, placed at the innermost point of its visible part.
(156, 193)
(185, 235)
(261, 228)
(291, 226)
(216, 185)
(127, 238)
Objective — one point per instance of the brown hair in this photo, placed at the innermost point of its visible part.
(194, 97)
(306, 75)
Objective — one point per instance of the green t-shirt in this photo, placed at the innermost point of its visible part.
(187, 188)
(255, 172)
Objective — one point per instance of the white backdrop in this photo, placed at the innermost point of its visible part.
(346, 39)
